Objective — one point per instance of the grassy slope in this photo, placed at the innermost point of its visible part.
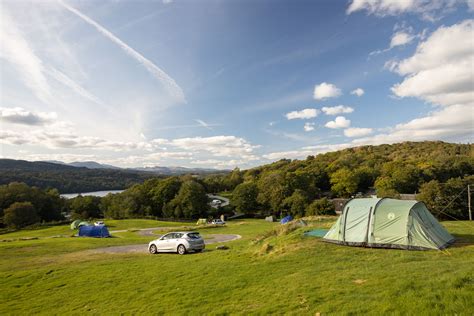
(299, 275)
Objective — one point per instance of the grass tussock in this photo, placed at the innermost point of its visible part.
(277, 231)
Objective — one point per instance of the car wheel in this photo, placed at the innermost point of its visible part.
(181, 249)
(153, 250)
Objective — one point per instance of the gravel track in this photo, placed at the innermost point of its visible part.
(143, 248)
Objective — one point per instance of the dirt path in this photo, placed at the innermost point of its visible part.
(143, 248)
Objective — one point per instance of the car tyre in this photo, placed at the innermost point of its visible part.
(181, 249)
(153, 250)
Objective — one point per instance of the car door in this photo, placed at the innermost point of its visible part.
(164, 244)
(175, 241)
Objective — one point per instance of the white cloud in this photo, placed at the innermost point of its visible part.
(358, 92)
(19, 115)
(339, 122)
(357, 131)
(427, 9)
(168, 82)
(215, 163)
(291, 154)
(308, 127)
(326, 90)
(339, 109)
(440, 71)
(303, 114)
(381, 7)
(470, 5)
(400, 39)
(223, 146)
(305, 151)
(452, 123)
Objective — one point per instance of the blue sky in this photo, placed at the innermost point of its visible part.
(230, 83)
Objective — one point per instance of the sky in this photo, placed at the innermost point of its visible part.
(224, 84)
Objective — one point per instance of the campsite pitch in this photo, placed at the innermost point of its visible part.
(143, 248)
(271, 269)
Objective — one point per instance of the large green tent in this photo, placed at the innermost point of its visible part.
(388, 223)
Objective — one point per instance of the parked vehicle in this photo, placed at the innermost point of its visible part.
(180, 242)
(217, 222)
(216, 203)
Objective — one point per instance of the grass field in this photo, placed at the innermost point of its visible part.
(267, 271)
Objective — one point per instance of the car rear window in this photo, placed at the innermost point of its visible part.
(194, 235)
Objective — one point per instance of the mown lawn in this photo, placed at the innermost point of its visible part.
(286, 273)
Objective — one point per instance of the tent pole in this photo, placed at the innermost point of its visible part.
(469, 201)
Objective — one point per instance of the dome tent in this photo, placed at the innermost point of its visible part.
(94, 231)
(388, 223)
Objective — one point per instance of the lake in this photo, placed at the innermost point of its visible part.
(96, 193)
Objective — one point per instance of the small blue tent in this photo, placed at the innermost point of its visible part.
(286, 219)
(93, 231)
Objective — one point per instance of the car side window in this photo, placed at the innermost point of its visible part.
(169, 236)
(176, 236)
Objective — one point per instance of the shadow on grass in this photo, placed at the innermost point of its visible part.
(462, 240)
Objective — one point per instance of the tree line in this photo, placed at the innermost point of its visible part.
(68, 179)
(437, 172)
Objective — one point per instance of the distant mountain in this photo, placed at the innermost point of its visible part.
(85, 164)
(156, 169)
(91, 165)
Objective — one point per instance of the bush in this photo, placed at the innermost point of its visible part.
(20, 214)
(320, 207)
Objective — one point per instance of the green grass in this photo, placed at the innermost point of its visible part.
(278, 272)
(48, 231)
(226, 194)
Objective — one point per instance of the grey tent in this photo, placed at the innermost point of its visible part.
(388, 223)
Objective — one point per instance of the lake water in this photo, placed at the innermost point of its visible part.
(96, 193)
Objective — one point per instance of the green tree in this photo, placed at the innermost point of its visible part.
(191, 201)
(385, 187)
(431, 194)
(344, 182)
(244, 197)
(233, 179)
(48, 204)
(296, 203)
(85, 207)
(20, 214)
(163, 193)
(272, 190)
(320, 207)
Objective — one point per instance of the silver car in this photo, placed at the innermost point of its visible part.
(180, 242)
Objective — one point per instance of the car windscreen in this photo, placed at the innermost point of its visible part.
(194, 235)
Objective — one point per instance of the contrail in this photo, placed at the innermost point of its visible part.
(162, 76)
(203, 124)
